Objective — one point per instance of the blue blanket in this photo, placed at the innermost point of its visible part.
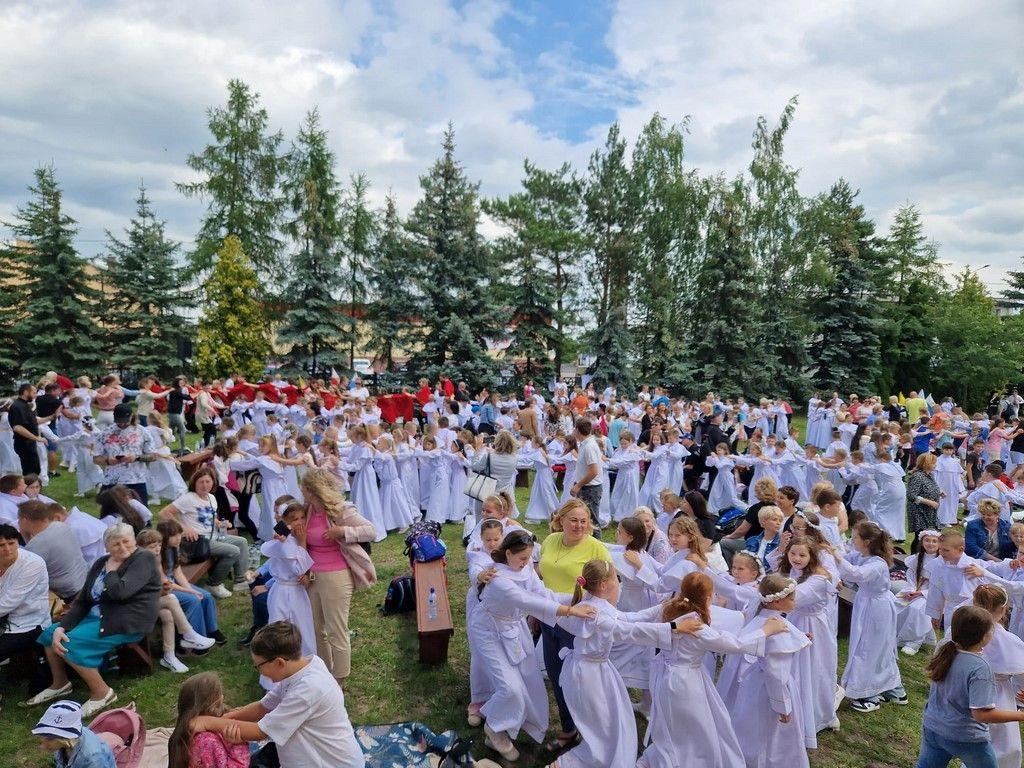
(404, 745)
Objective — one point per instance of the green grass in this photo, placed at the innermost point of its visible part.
(389, 685)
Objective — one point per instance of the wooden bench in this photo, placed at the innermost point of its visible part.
(434, 634)
(195, 571)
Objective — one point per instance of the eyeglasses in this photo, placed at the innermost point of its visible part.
(266, 661)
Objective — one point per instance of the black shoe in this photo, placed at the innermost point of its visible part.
(244, 642)
(218, 637)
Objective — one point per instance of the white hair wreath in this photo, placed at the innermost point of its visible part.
(783, 593)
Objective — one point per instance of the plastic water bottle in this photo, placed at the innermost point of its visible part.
(432, 604)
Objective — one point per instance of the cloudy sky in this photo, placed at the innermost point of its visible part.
(912, 101)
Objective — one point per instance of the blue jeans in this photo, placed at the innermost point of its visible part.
(554, 639)
(937, 751)
(201, 614)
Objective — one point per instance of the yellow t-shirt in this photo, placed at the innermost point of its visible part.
(560, 566)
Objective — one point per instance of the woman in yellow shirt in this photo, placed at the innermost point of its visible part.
(562, 557)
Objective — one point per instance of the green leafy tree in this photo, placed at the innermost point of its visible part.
(540, 256)
(611, 219)
(240, 167)
(976, 350)
(360, 227)
(314, 327)
(144, 296)
(721, 325)
(55, 297)
(454, 276)
(844, 350)
(393, 307)
(232, 335)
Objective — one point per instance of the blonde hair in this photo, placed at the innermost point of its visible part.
(990, 506)
(504, 442)
(769, 513)
(595, 573)
(688, 527)
(766, 489)
(1016, 528)
(572, 505)
(319, 485)
(925, 462)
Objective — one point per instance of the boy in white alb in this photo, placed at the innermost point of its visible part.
(304, 715)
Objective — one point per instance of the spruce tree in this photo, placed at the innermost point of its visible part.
(721, 326)
(144, 296)
(611, 220)
(539, 283)
(232, 334)
(454, 275)
(55, 295)
(240, 167)
(392, 307)
(844, 349)
(359, 227)
(314, 328)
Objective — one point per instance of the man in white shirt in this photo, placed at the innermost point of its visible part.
(358, 392)
(587, 486)
(12, 495)
(24, 595)
(304, 716)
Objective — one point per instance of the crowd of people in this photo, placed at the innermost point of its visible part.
(696, 555)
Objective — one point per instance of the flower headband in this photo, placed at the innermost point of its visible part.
(781, 594)
(928, 532)
(803, 516)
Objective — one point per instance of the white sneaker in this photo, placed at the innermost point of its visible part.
(910, 650)
(92, 706)
(170, 661)
(220, 591)
(197, 642)
(834, 725)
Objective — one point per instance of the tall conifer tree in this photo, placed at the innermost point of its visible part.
(360, 229)
(392, 309)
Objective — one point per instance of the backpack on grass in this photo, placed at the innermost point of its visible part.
(401, 596)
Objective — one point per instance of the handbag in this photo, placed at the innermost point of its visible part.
(480, 486)
(194, 551)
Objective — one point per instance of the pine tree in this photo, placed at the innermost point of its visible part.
(143, 296)
(611, 220)
(232, 335)
(454, 276)
(392, 307)
(539, 255)
(241, 168)
(359, 224)
(844, 350)
(314, 328)
(721, 326)
(53, 326)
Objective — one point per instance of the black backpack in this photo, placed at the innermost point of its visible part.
(401, 596)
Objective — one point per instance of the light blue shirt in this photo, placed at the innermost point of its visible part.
(969, 685)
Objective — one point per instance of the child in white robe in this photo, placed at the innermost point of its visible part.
(890, 503)
(594, 691)
(543, 494)
(768, 702)
(270, 464)
(365, 494)
(913, 625)
(88, 476)
(408, 469)
(657, 477)
(1005, 656)
(1012, 569)
(871, 675)
(723, 491)
(948, 585)
(438, 467)
(461, 458)
(481, 569)
(164, 480)
(689, 724)
(288, 562)
(519, 700)
(688, 555)
(626, 462)
(394, 503)
(949, 474)
(88, 530)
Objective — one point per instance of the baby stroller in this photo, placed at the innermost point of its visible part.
(124, 732)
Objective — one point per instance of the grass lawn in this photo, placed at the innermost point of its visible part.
(388, 684)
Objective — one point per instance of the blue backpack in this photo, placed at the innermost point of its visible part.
(425, 548)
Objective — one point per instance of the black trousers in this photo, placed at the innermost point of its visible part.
(28, 454)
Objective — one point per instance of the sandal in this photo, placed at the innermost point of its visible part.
(564, 741)
(47, 694)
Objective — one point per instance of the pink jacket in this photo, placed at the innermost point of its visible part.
(358, 529)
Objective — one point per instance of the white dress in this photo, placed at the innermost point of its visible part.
(815, 666)
(626, 493)
(87, 474)
(677, 452)
(543, 494)
(10, 464)
(890, 504)
(272, 477)
(519, 700)
(723, 490)
(865, 487)
(287, 599)
(89, 531)
(439, 468)
(871, 667)
(913, 625)
(767, 689)
(409, 471)
(594, 691)
(672, 572)
(394, 504)
(365, 494)
(1004, 570)
(632, 660)
(949, 474)
(1005, 655)
(480, 687)
(163, 479)
(656, 479)
(460, 502)
(689, 724)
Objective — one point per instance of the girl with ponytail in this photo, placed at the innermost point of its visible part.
(962, 699)
(593, 688)
(1005, 656)
(689, 724)
(519, 700)
(913, 625)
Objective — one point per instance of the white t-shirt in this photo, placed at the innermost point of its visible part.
(197, 513)
(588, 453)
(308, 723)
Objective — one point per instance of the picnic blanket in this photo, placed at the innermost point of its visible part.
(410, 745)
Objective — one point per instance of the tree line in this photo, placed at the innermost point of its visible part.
(664, 274)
